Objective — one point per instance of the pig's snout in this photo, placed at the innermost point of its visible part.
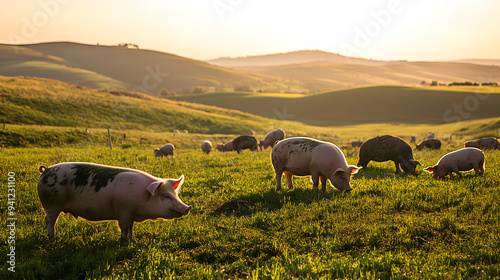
(186, 209)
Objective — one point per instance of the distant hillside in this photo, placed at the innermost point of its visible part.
(323, 76)
(40, 101)
(296, 57)
(130, 69)
(489, 62)
(319, 70)
(378, 104)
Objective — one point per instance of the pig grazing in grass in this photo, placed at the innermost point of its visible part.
(488, 143)
(226, 147)
(99, 192)
(166, 150)
(245, 142)
(388, 147)
(271, 138)
(206, 146)
(303, 156)
(431, 144)
(460, 160)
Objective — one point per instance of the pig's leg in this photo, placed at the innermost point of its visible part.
(278, 180)
(50, 221)
(397, 167)
(130, 229)
(323, 183)
(315, 179)
(288, 176)
(126, 225)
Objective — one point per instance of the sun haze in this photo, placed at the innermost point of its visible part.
(389, 29)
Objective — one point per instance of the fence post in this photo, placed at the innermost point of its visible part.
(110, 143)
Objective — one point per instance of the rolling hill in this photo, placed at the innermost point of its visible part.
(147, 71)
(319, 70)
(373, 104)
(296, 57)
(39, 101)
(118, 67)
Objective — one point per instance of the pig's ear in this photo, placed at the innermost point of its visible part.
(177, 183)
(339, 172)
(354, 169)
(154, 186)
(429, 169)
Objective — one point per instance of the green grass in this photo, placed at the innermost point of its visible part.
(389, 227)
(48, 102)
(371, 104)
(60, 72)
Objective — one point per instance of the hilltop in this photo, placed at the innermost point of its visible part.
(152, 72)
(319, 71)
(295, 57)
(120, 67)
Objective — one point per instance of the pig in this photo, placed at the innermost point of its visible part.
(245, 142)
(432, 144)
(227, 147)
(431, 135)
(206, 146)
(488, 143)
(166, 150)
(464, 159)
(303, 156)
(271, 138)
(388, 147)
(100, 192)
(413, 139)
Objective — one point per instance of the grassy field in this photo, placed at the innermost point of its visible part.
(373, 104)
(389, 227)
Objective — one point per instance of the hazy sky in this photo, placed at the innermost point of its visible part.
(204, 29)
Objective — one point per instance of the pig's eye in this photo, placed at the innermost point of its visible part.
(166, 196)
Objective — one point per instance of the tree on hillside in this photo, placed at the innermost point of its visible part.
(165, 93)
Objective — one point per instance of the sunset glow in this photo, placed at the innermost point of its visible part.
(389, 29)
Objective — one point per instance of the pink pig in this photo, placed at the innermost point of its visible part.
(460, 160)
(271, 138)
(99, 192)
(303, 156)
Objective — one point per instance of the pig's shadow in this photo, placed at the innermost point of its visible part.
(272, 200)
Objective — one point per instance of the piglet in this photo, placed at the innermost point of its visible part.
(460, 160)
(99, 192)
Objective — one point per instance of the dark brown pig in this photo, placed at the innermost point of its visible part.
(488, 143)
(245, 142)
(431, 144)
(388, 147)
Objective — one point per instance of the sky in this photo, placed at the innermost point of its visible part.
(413, 30)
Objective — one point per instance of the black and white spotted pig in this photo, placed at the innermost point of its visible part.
(99, 192)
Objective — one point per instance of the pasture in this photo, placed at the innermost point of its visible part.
(389, 227)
